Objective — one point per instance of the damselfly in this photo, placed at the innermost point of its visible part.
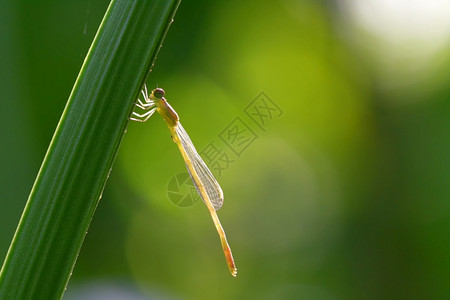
(207, 186)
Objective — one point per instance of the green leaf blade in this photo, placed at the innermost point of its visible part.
(80, 157)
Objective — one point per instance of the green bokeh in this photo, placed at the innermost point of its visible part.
(342, 196)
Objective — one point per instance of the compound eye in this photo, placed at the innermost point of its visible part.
(159, 93)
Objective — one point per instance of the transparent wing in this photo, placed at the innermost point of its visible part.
(205, 176)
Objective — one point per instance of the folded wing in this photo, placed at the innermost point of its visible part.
(205, 176)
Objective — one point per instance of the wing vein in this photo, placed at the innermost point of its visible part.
(210, 184)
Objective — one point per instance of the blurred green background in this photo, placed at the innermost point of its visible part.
(342, 193)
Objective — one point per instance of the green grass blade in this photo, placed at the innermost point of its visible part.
(77, 164)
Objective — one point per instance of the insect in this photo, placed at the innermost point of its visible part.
(204, 181)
